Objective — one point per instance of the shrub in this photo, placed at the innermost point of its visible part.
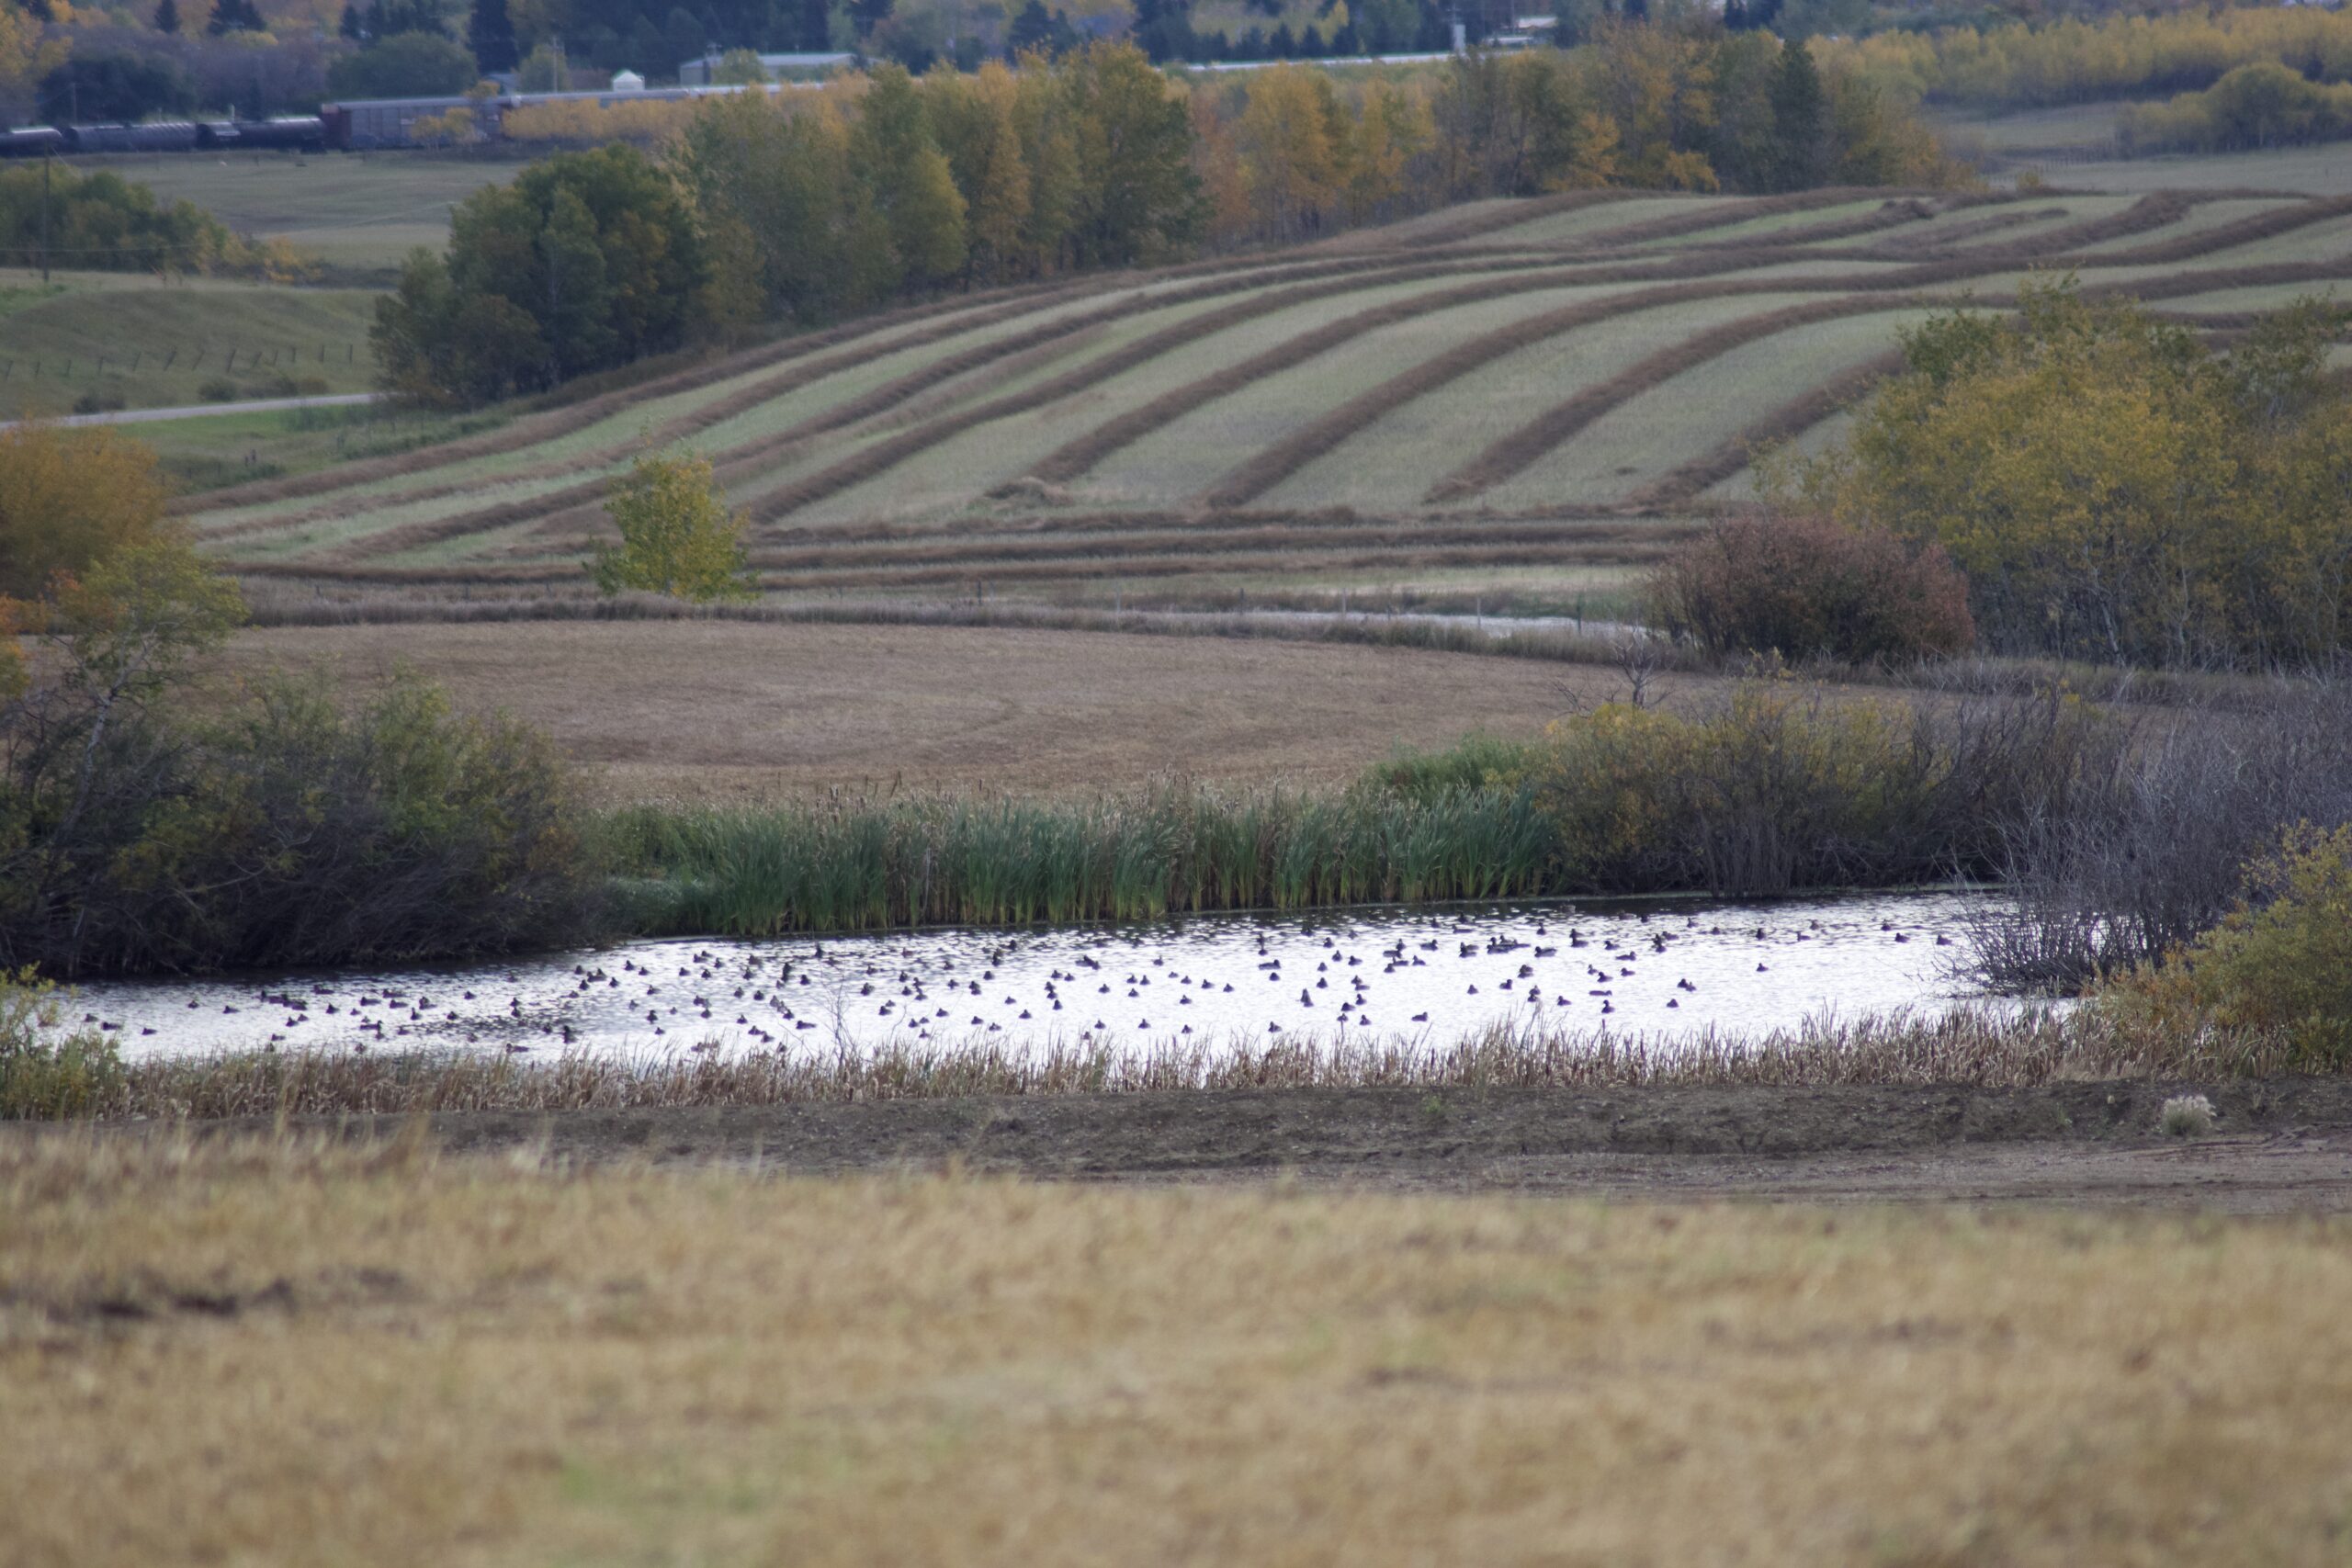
(1775, 788)
(68, 499)
(282, 832)
(2278, 963)
(2148, 845)
(1806, 586)
(1474, 763)
(49, 1079)
(2186, 1116)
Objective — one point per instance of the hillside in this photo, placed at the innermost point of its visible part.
(1510, 397)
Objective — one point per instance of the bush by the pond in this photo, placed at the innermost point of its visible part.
(280, 831)
(1807, 586)
(1778, 787)
(2149, 845)
(44, 1076)
(2280, 964)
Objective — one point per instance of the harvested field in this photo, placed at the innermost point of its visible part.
(298, 1351)
(728, 710)
(1470, 387)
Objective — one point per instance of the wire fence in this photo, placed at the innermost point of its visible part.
(220, 359)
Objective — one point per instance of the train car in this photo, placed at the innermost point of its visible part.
(31, 142)
(295, 131)
(156, 136)
(96, 137)
(359, 124)
(212, 133)
(163, 136)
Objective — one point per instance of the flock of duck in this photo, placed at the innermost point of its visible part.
(1407, 973)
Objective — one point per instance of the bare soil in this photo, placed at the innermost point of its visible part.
(2280, 1147)
(713, 711)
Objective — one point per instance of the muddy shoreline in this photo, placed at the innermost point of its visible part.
(2280, 1145)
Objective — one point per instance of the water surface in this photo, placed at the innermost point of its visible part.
(1656, 970)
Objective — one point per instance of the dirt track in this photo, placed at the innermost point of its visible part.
(2284, 1146)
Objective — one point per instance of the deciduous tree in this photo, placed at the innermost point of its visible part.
(677, 536)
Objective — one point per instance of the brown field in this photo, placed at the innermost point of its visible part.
(704, 710)
(277, 1353)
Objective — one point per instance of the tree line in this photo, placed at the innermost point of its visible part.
(2020, 65)
(2259, 106)
(886, 186)
(2112, 490)
(103, 222)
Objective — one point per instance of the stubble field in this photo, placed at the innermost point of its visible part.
(275, 1353)
(727, 710)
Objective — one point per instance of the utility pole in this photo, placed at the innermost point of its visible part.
(45, 162)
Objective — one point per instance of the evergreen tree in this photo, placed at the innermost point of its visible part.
(816, 34)
(1800, 122)
(682, 40)
(1031, 29)
(235, 17)
(168, 17)
(352, 27)
(490, 33)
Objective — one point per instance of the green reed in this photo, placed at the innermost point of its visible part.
(868, 865)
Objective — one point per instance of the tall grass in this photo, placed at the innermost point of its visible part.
(847, 865)
(1975, 1046)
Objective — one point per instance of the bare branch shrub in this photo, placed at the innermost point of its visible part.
(2149, 845)
(1809, 587)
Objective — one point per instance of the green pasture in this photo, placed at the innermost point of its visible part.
(358, 213)
(81, 347)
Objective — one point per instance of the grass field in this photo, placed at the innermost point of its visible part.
(273, 1353)
(90, 341)
(358, 213)
(1447, 402)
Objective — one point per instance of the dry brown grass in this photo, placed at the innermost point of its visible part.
(279, 1353)
(1979, 1049)
(734, 710)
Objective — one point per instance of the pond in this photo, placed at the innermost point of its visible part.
(1659, 970)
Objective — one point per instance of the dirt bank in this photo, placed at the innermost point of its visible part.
(2280, 1145)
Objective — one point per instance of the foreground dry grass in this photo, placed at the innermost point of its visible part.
(272, 1354)
(729, 710)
